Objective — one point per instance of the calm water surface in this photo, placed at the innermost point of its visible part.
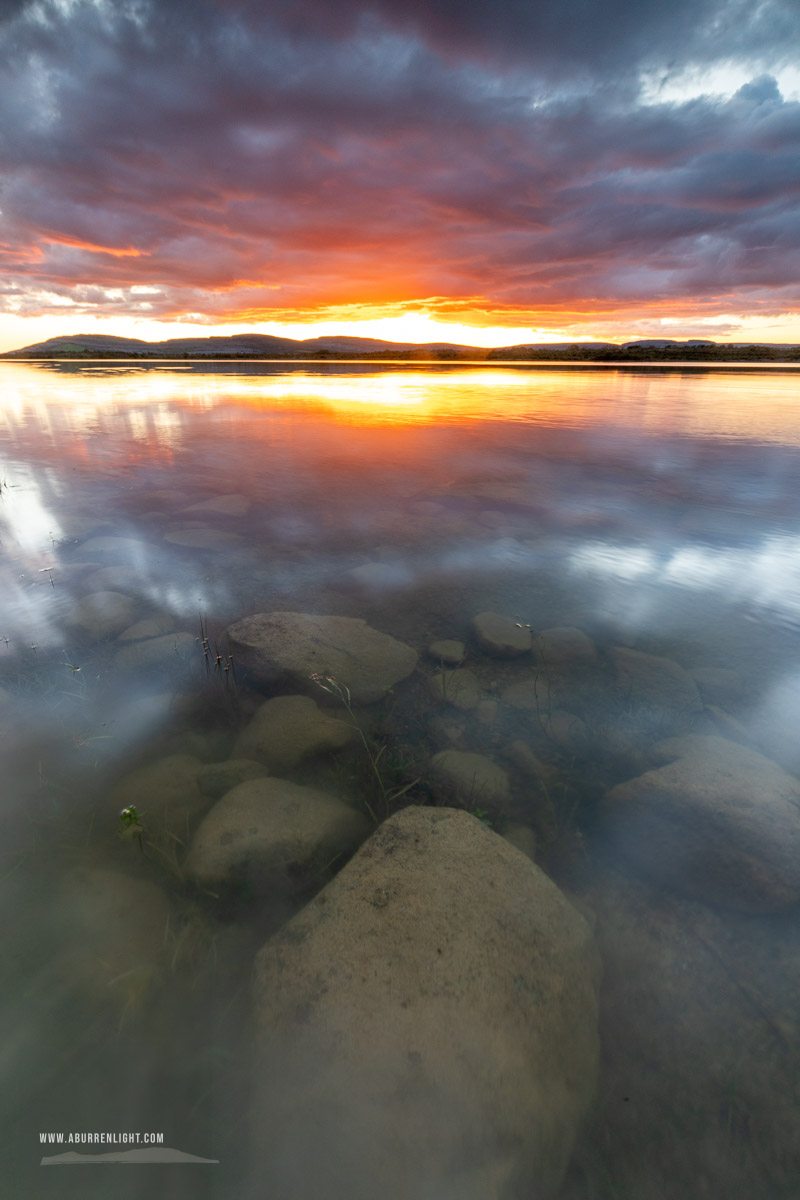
(655, 510)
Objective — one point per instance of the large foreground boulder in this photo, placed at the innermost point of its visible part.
(428, 1025)
(291, 647)
(718, 822)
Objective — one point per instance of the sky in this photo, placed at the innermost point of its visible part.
(419, 170)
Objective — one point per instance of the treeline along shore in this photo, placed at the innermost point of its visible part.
(258, 347)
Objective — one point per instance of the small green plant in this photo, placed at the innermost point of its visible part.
(331, 685)
(130, 825)
(483, 816)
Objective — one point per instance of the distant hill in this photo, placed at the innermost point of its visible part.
(240, 345)
(263, 346)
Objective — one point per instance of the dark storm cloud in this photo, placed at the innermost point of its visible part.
(235, 159)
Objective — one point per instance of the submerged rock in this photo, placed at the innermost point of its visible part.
(166, 794)
(113, 928)
(659, 683)
(447, 651)
(115, 578)
(719, 686)
(220, 777)
(475, 779)
(380, 576)
(150, 627)
(500, 636)
(294, 646)
(776, 721)
(234, 505)
(289, 729)
(417, 1041)
(102, 614)
(564, 646)
(459, 688)
(700, 1008)
(269, 834)
(204, 538)
(719, 823)
(157, 651)
(122, 547)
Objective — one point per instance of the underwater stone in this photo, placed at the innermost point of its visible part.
(220, 777)
(660, 683)
(427, 1024)
(459, 688)
(121, 546)
(475, 778)
(564, 646)
(719, 823)
(115, 578)
(168, 650)
(700, 1007)
(289, 729)
(150, 627)
(112, 927)
(567, 731)
(523, 838)
(165, 792)
(719, 686)
(224, 506)
(102, 614)
(447, 651)
(293, 646)
(379, 576)
(271, 834)
(499, 636)
(203, 539)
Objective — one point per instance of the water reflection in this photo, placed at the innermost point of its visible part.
(643, 524)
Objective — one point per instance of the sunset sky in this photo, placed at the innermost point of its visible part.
(420, 170)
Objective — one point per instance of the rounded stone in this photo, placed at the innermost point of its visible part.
(656, 682)
(102, 614)
(292, 646)
(475, 779)
(289, 729)
(203, 539)
(271, 834)
(167, 650)
(459, 688)
(501, 636)
(427, 1025)
(718, 822)
(447, 651)
(234, 505)
(564, 646)
(218, 778)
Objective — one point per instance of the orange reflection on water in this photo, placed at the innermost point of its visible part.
(727, 403)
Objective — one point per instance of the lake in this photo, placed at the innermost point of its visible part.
(598, 571)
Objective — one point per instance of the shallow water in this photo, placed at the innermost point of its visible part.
(654, 509)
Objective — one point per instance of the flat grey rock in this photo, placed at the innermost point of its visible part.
(290, 646)
(501, 636)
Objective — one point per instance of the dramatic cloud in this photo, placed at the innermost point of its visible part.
(235, 160)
